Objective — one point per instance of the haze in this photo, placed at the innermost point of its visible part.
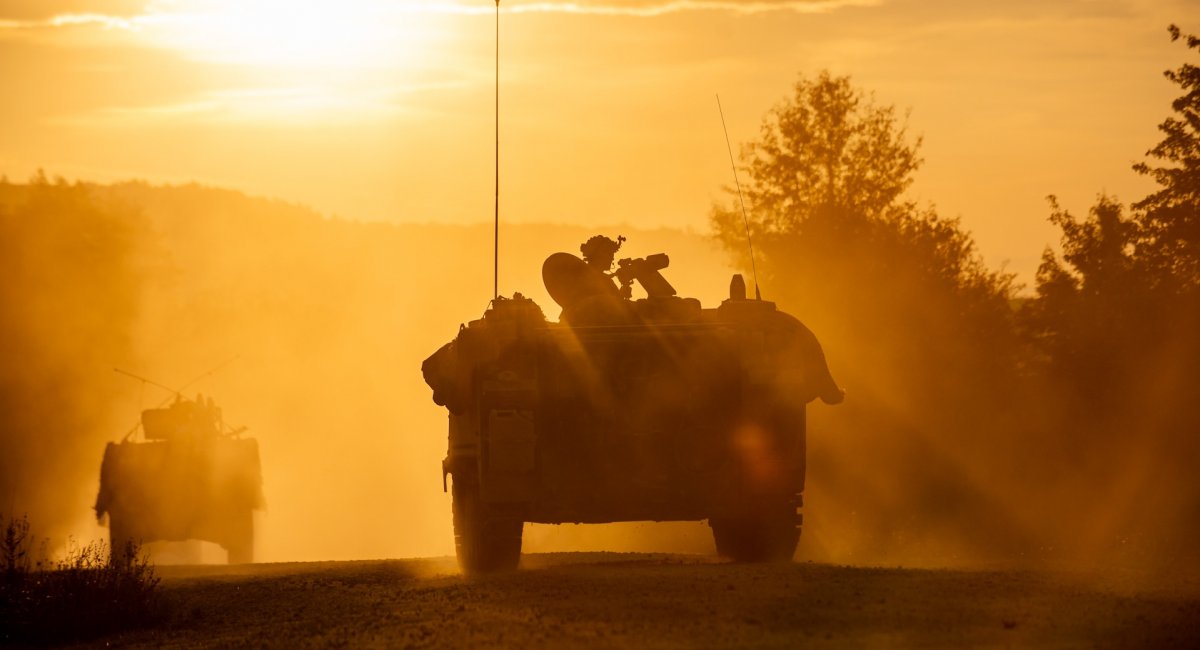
(368, 128)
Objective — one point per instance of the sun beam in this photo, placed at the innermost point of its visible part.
(308, 34)
(287, 60)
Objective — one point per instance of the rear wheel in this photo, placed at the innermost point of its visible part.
(121, 545)
(765, 533)
(487, 538)
(241, 538)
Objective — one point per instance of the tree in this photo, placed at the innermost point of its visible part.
(1128, 289)
(1169, 249)
(1100, 248)
(1170, 217)
(1117, 318)
(1090, 309)
(837, 238)
(830, 147)
(1168, 245)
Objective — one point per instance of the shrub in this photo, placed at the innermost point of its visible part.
(85, 595)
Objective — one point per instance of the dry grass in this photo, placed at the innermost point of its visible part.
(82, 596)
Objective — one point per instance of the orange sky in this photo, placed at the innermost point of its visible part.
(383, 110)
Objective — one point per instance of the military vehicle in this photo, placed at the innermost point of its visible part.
(627, 410)
(192, 477)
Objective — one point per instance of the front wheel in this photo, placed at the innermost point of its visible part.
(767, 533)
(487, 539)
(240, 546)
(122, 547)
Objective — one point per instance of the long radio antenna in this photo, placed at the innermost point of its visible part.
(745, 219)
(496, 216)
(207, 373)
(174, 392)
(148, 381)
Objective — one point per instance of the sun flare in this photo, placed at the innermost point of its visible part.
(309, 34)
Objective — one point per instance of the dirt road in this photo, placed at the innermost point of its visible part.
(664, 601)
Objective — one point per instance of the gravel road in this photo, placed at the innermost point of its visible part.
(665, 601)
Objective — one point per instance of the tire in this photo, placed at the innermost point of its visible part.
(119, 541)
(767, 533)
(487, 539)
(240, 546)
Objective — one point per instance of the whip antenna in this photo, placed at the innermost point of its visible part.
(177, 393)
(147, 381)
(496, 216)
(742, 202)
(206, 373)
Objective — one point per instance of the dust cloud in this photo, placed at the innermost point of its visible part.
(324, 323)
(319, 327)
(961, 441)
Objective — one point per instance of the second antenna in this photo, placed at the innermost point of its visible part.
(741, 201)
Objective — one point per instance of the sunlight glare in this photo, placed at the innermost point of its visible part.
(300, 33)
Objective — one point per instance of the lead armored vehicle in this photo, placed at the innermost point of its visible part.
(627, 410)
(192, 477)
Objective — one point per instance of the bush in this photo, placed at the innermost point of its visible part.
(83, 596)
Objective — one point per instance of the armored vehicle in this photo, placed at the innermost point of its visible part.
(192, 477)
(627, 410)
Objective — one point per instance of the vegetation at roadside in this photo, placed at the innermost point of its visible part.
(80, 597)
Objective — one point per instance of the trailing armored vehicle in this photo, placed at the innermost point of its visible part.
(192, 477)
(627, 410)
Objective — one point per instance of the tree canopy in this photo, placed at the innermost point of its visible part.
(1170, 217)
(1125, 284)
(1115, 319)
(829, 147)
(828, 214)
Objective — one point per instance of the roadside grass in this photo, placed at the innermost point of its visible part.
(82, 596)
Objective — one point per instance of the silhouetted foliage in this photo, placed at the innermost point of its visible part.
(1117, 320)
(81, 597)
(1087, 306)
(1125, 293)
(829, 147)
(827, 215)
(1170, 217)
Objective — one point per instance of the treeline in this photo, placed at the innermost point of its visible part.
(980, 420)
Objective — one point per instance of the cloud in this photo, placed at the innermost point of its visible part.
(655, 7)
(105, 21)
(128, 13)
(42, 11)
(281, 106)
